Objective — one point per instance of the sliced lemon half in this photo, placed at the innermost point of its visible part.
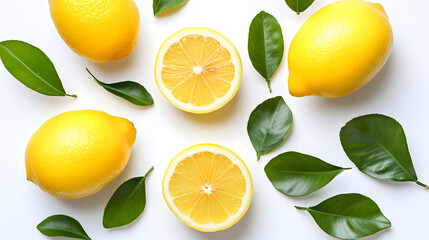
(208, 187)
(198, 70)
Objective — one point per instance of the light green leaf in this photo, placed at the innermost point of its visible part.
(31, 67)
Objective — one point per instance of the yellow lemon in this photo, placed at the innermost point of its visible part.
(77, 153)
(339, 49)
(208, 187)
(100, 30)
(198, 70)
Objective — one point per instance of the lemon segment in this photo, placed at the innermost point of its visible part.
(339, 49)
(77, 153)
(207, 187)
(198, 70)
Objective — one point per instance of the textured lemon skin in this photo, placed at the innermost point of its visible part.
(339, 49)
(77, 153)
(100, 30)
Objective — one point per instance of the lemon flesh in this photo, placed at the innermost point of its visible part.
(339, 49)
(100, 30)
(198, 70)
(76, 154)
(207, 187)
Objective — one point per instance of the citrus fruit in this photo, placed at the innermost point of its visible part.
(198, 70)
(77, 153)
(339, 49)
(100, 30)
(208, 187)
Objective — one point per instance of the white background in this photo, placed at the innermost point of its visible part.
(400, 91)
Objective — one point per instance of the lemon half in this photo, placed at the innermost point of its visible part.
(208, 187)
(198, 70)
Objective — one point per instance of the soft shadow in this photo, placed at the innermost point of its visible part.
(217, 116)
(117, 65)
(237, 231)
(376, 235)
(102, 197)
(368, 92)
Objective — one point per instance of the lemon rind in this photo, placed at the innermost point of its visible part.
(218, 150)
(235, 59)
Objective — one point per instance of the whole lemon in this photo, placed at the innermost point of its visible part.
(339, 49)
(77, 153)
(100, 30)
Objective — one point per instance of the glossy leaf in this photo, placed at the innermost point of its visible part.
(265, 45)
(31, 67)
(127, 203)
(348, 216)
(299, 6)
(296, 174)
(377, 145)
(160, 6)
(62, 226)
(128, 90)
(269, 124)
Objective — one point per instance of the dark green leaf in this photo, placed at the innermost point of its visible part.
(127, 203)
(130, 91)
(296, 174)
(265, 45)
(160, 6)
(348, 216)
(31, 67)
(62, 226)
(299, 6)
(269, 124)
(377, 145)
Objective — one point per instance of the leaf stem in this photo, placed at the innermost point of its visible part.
(150, 170)
(269, 85)
(71, 95)
(349, 168)
(258, 156)
(423, 185)
(301, 208)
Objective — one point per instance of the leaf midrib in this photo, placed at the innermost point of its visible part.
(378, 143)
(29, 69)
(285, 171)
(265, 48)
(108, 86)
(336, 215)
(271, 126)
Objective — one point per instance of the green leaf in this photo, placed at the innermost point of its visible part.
(127, 203)
(31, 67)
(377, 145)
(265, 45)
(160, 6)
(348, 216)
(130, 91)
(62, 226)
(296, 174)
(269, 124)
(299, 6)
